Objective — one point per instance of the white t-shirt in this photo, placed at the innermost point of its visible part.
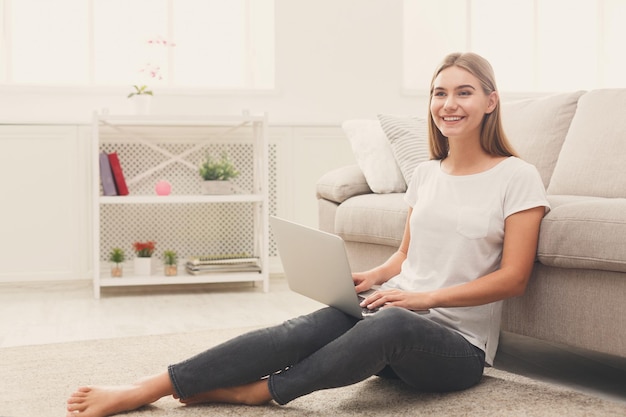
(457, 234)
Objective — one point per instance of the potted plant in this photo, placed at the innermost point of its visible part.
(117, 256)
(141, 98)
(217, 174)
(170, 259)
(143, 257)
(140, 90)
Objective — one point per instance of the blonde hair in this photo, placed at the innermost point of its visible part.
(493, 140)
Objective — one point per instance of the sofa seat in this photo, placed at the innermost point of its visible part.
(579, 232)
(584, 232)
(373, 218)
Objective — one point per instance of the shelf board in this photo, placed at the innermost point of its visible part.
(181, 278)
(170, 199)
(177, 120)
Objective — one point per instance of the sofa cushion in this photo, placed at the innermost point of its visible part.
(587, 233)
(537, 128)
(373, 154)
(409, 141)
(593, 157)
(372, 218)
(342, 183)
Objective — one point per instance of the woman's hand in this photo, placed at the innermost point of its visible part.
(363, 281)
(398, 298)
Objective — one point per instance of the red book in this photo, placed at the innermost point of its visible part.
(118, 174)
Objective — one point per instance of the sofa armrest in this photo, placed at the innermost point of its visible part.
(342, 183)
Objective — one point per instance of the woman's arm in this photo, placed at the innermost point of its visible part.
(521, 235)
(384, 272)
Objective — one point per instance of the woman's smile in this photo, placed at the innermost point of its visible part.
(451, 119)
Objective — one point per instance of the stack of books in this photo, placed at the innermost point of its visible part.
(197, 265)
(111, 175)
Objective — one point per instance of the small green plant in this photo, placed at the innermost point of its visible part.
(140, 90)
(117, 256)
(170, 257)
(218, 169)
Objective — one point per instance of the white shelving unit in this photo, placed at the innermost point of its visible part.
(154, 148)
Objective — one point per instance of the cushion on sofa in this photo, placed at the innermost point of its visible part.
(342, 183)
(588, 233)
(372, 218)
(537, 127)
(408, 136)
(373, 154)
(593, 159)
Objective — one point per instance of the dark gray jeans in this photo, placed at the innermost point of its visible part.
(329, 349)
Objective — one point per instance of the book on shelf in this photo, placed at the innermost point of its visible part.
(196, 265)
(106, 175)
(118, 174)
(208, 269)
(239, 258)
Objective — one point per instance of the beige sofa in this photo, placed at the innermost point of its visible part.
(577, 294)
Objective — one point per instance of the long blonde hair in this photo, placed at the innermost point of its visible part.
(493, 140)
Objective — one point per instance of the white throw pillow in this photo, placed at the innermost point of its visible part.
(372, 152)
(408, 136)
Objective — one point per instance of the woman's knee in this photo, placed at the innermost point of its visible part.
(394, 318)
(394, 326)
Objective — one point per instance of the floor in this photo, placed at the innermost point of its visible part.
(54, 312)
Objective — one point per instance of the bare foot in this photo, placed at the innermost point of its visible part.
(103, 401)
(256, 393)
(106, 401)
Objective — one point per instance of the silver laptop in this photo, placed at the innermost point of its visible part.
(316, 266)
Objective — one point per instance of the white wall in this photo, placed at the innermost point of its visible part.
(340, 59)
(335, 59)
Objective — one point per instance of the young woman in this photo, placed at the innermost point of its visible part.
(469, 242)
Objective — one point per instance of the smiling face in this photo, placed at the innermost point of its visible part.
(458, 103)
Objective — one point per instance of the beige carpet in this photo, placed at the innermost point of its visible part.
(36, 380)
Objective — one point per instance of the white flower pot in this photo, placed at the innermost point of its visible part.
(143, 266)
(217, 187)
(141, 104)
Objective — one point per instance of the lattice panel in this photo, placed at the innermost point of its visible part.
(189, 229)
(136, 159)
(273, 193)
